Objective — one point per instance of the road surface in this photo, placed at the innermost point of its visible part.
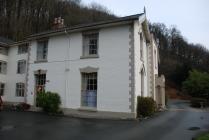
(180, 122)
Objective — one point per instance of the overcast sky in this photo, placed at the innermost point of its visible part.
(190, 16)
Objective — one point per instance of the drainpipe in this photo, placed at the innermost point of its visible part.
(27, 73)
(67, 66)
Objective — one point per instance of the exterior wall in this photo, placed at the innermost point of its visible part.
(153, 67)
(119, 66)
(12, 77)
(3, 77)
(140, 64)
(160, 91)
(64, 64)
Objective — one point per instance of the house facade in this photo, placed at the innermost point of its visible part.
(97, 69)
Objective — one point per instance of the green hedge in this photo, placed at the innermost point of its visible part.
(48, 101)
(196, 102)
(146, 106)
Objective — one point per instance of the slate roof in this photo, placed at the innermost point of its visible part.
(82, 26)
(5, 40)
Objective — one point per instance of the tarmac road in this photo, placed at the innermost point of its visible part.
(173, 124)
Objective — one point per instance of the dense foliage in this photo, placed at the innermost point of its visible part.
(197, 84)
(198, 102)
(177, 56)
(48, 101)
(146, 106)
(20, 18)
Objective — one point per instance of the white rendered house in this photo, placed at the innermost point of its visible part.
(97, 69)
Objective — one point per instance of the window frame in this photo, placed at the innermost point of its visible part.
(2, 88)
(4, 50)
(22, 49)
(20, 89)
(3, 67)
(141, 46)
(43, 50)
(90, 47)
(155, 56)
(21, 70)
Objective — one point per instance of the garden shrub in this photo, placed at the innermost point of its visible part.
(196, 102)
(197, 84)
(146, 106)
(48, 101)
(22, 107)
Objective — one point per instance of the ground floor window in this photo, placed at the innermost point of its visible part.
(89, 89)
(20, 89)
(2, 87)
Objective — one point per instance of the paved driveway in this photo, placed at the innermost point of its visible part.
(169, 125)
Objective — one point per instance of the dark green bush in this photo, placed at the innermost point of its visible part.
(146, 106)
(196, 102)
(48, 101)
(197, 84)
(22, 107)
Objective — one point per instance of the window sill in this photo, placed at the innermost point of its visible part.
(40, 61)
(89, 109)
(89, 56)
(3, 73)
(22, 53)
(20, 73)
(3, 54)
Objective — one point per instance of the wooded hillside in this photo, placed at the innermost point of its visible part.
(20, 18)
(177, 56)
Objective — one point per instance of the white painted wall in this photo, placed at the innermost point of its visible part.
(113, 86)
(138, 62)
(154, 65)
(64, 64)
(12, 77)
(3, 77)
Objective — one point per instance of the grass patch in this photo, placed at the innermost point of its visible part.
(203, 137)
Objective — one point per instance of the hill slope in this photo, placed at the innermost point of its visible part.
(20, 18)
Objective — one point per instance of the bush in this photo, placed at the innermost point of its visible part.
(146, 106)
(197, 84)
(22, 107)
(48, 101)
(204, 136)
(196, 102)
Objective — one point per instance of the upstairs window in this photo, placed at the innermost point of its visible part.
(42, 50)
(3, 67)
(21, 66)
(2, 87)
(3, 50)
(23, 48)
(90, 44)
(20, 89)
(141, 46)
(155, 57)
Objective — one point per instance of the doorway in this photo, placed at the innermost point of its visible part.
(40, 83)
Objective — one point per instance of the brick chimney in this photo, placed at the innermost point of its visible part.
(58, 23)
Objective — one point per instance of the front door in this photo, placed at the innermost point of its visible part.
(40, 82)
